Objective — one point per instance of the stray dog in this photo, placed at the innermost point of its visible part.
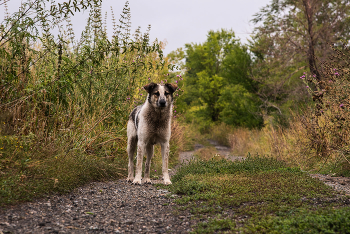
(150, 124)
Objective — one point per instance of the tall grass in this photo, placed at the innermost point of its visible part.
(64, 101)
(278, 142)
(286, 144)
(292, 144)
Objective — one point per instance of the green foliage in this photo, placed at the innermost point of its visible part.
(323, 221)
(259, 189)
(215, 71)
(239, 107)
(215, 225)
(176, 58)
(252, 164)
(26, 178)
(288, 38)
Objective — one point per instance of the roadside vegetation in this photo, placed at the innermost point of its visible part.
(65, 100)
(258, 195)
(284, 94)
(281, 100)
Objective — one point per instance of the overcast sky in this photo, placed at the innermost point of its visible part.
(176, 21)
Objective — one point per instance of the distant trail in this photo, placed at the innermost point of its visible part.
(225, 151)
(222, 150)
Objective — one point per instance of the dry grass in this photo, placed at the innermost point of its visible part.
(208, 153)
(289, 145)
(220, 133)
(192, 135)
(177, 135)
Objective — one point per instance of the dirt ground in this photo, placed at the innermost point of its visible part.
(116, 207)
(337, 183)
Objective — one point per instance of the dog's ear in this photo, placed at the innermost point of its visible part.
(149, 87)
(172, 87)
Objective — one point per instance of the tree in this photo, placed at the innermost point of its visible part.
(291, 36)
(212, 69)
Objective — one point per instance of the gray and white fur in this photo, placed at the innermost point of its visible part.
(150, 124)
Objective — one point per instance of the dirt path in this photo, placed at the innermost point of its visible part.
(115, 207)
(112, 207)
(222, 150)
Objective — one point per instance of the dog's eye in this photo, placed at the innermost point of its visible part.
(167, 93)
(157, 93)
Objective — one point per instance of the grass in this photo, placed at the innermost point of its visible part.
(258, 195)
(25, 176)
(321, 221)
(29, 170)
(291, 145)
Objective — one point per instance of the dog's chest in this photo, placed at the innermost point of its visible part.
(155, 125)
(156, 122)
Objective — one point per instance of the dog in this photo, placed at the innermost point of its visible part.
(150, 124)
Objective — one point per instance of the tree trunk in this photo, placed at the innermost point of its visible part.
(309, 6)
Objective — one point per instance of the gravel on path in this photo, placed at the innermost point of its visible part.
(110, 207)
(341, 184)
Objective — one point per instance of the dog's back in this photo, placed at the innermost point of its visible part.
(133, 117)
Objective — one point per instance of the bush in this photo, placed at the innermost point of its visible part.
(328, 123)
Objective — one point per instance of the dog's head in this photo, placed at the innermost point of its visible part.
(160, 95)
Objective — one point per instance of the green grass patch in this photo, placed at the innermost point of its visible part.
(26, 173)
(215, 225)
(254, 189)
(319, 221)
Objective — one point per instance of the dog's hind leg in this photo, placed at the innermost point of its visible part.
(132, 144)
(149, 151)
(140, 153)
(165, 159)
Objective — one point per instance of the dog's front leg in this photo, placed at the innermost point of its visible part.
(140, 152)
(149, 151)
(132, 145)
(165, 158)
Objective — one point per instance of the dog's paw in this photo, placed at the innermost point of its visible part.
(167, 182)
(146, 181)
(137, 181)
(130, 179)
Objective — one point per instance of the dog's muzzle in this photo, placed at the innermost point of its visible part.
(162, 103)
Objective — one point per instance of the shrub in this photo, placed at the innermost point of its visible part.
(328, 123)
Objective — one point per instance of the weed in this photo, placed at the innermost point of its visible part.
(206, 153)
(215, 225)
(255, 188)
(328, 123)
(303, 221)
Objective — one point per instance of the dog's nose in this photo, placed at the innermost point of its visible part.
(162, 102)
